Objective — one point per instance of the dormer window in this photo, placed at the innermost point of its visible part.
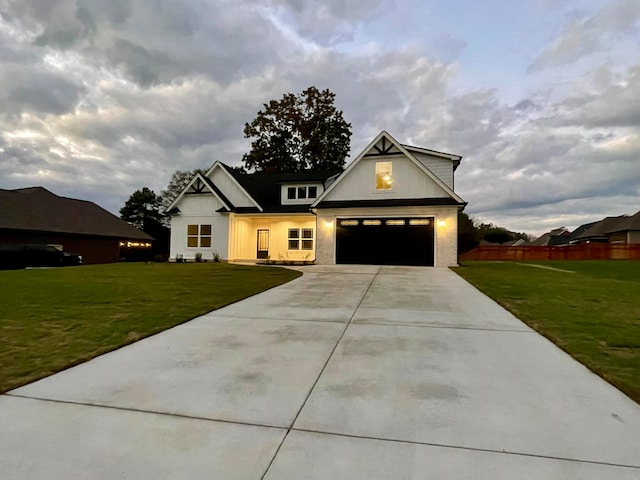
(384, 176)
(302, 193)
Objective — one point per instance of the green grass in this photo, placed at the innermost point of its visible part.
(51, 319)
(593, 313)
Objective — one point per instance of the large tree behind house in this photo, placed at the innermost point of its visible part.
(298, 132)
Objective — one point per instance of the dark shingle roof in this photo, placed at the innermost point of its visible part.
(598, 230)
(37, 209)
(627, 224)
(265, 188)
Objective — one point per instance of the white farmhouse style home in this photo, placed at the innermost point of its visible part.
(393, 205)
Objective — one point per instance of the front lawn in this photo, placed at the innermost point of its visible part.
(591, 309)
(51, 319)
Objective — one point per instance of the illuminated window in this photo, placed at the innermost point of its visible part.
(371, 223)
(419, 221)
(397, 222)
(198, 235)
(349, 223)
(384, 176)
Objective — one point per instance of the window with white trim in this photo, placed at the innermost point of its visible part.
(199, 236)
(384, 176)
(300, 238)
(303, 192)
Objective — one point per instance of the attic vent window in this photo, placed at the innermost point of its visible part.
(384, 176)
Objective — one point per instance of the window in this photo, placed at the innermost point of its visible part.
(192, 235)
(384, 177)
(307, 238)
(198, 235)
(297, 235)
(294, 239)
(205, 235)
(312, 192)
(302, 192)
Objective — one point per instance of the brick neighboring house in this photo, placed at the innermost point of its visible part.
(37, 216)
(621, 229)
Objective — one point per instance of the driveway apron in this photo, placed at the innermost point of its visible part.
(348, 372)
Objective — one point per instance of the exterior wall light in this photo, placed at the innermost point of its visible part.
(328, 224)
(442, 223)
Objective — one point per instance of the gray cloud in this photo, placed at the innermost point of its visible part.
(102, 98)
(584, 35)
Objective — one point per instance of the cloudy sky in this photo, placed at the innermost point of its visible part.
(541, 97)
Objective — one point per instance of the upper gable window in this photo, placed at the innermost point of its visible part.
(384, 176)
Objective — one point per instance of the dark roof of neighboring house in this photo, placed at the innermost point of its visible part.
(558, 236)
(627, 224)
(598, 230)
(36, 209)
(265, 188)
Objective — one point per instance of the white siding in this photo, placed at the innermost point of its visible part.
(440, 167)
(408, 182)
(283, 193)
(446, 236)
(229, 188)
(199, 210)
(244, 236)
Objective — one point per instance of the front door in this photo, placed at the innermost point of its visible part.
(263, 244)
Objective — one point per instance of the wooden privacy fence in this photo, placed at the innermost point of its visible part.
(585, 251)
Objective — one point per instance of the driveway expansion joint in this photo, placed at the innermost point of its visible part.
(473, 449)
(364, 295)
(138, 410)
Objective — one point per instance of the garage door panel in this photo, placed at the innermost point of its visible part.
(385, 241)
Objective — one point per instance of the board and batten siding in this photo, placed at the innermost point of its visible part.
(409, 181)
(199, 209)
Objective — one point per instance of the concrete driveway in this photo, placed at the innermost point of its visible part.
(349, 372)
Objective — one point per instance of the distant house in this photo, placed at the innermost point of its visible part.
(600, 232)
(559, 236)
(625, 231)
(394, 204)
(37, 216)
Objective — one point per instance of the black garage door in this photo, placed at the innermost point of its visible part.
(385, 241)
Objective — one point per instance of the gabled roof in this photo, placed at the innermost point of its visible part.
(37, 209)
(199, 184)
(599, 230)
(627, 224)
(558, 236)
(393, 148)
(449, 156)
(265, 188)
